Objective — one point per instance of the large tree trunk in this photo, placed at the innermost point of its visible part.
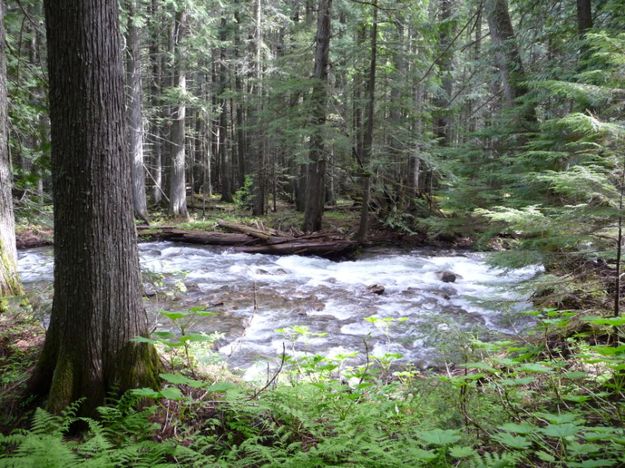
(367, 148)
(97, 308)
(506, 50)
(9, 280)
(315, 199)
(135, 114)
(177, 177)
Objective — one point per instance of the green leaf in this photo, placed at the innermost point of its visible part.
(583, 449)
(163, 334)
(221, 387)
(609, 350)
(143, 339)
(544, 456)
(423, 455)
(610, 321)
(146, 393)
(509, 440)
(523, 428)
(172, 393)
(198, 337)
(576, 398)
(560, 431)
(439, 437)
(479, 365)
(517, 382)
(593, 463)
(174, 315)
(458, 451)
(537, 368)
(560, 418)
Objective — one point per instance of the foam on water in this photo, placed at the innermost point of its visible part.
(331, 299)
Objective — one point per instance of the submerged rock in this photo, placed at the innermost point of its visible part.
(149, 290)
(376, 289)
(448, 276)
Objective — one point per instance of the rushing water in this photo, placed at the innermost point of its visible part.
(256, 295)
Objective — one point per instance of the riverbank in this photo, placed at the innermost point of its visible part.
(516, 403)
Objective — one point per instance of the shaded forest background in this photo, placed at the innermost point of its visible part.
(455, 118)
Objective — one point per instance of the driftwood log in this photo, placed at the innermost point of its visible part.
(253, 242)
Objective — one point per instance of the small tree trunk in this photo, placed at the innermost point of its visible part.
(446, 32)
(260, 176)
(177, 178)
(368, 136)
(135, 114)
(224, 156)
(584, 16)
(155, 89)
(9, 279)
(239, 106)
(315, 199)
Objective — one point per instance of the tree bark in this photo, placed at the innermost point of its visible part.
(316, 169)
(9, 279)
(97, 307)
(135, 114)
(156, 63)
(445, 63)
(177, 178)
(506, 50)
(367, 149)
(584, 16)
(224, 156)
(260, 176)
(240, 102)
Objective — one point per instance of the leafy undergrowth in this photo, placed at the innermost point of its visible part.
(21, 338)
(544, 402)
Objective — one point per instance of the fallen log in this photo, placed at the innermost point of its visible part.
(274, 245)
(243, 229)
(196, 237)
(30, 238)
(332, 249)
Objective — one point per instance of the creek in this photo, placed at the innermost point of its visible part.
(315, 305)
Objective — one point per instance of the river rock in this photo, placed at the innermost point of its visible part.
(448, 276)
(149, 290)
(376, 289)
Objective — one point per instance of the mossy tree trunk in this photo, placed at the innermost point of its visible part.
(9, 280)
(97, 307)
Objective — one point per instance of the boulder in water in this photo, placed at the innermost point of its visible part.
(448, 276)
(149, 290)
(376, 289)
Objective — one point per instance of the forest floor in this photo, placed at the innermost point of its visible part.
(339, 221)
